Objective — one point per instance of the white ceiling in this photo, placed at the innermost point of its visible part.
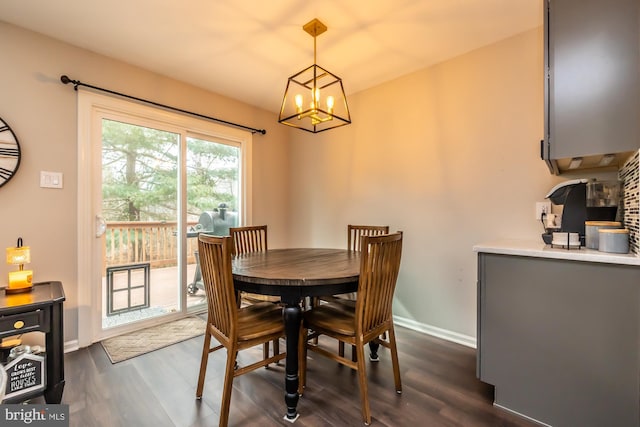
(246, 49)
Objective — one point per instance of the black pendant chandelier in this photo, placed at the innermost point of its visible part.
(314, 99)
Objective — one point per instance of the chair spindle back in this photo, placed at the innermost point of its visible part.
(355, 233)
(249, 239)
(380, 264)
(215, 263)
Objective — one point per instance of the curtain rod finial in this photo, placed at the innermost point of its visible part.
(66, 80)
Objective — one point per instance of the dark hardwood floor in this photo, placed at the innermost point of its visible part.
(158, 389)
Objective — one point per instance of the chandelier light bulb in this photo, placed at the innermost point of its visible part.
(299, 101)
(316, 97)
(330, 103)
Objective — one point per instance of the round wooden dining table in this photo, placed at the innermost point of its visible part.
(293, 274)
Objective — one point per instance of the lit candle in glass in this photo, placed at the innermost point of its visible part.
(21, 280)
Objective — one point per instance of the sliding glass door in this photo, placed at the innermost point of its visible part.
(158, 182)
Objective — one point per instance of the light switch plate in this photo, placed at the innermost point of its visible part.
(50, 179)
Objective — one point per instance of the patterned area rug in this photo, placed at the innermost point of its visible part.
(134, 344)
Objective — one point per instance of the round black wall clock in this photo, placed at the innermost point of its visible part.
(9, 153)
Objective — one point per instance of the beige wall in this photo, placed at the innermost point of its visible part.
(449, 155)
(42, 113)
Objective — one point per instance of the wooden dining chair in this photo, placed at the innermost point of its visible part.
(366, 321)
(354, 240)
(250, 239)
(234, 328)
(356, 232)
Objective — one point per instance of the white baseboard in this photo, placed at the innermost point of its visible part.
(70, 346)
(521, 415)
(445, 334)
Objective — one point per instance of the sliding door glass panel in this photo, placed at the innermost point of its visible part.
(213, 176)
(140, 206)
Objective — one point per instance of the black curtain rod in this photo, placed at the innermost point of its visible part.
(66, 80)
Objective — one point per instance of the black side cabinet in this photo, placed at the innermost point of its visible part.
(38, 311)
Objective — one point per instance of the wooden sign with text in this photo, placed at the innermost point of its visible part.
(25, 375)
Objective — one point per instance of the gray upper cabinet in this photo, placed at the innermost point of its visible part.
(592, 82)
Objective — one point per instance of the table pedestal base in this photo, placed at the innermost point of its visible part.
(292, 316)
(291, 420)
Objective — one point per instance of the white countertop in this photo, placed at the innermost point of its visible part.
(538, 249)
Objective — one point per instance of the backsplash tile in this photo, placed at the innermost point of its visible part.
(630, 175)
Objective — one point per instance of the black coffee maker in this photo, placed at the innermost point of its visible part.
(584, 200)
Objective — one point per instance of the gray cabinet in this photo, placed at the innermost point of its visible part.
(560, 340)
(592, 82)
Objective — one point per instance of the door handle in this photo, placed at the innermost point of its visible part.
(101, 226)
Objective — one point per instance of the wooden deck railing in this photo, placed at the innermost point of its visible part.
(155, 242)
